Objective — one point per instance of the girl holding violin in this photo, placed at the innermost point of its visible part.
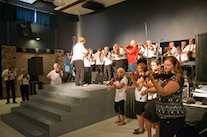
(120, 95)
(150, 109)
(169, 106)
(139, 99)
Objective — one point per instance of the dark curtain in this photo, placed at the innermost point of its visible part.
(45, 19)
(24, 14)
(7, 11)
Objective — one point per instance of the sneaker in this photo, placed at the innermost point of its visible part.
(7, 102)
(14, 102)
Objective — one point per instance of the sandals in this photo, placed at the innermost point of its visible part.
(117, 122)
(137, 132)
(138, 129)
(121, 124)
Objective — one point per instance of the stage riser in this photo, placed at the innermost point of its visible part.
(33, 117)
(23, 126)
(68, 92)
(53, 104)
(49, 112)
(68, 99)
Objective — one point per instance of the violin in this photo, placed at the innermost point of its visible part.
(168, 48)
(138, 74)
(129, 47)
(13, 70)
(161, 74)
(151, 47)
(113, 80)
(91, 56)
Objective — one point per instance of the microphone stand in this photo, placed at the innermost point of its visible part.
(158, 51)
(147, 45)
(71, 62)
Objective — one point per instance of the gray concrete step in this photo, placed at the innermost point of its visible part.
(51, 112)
(26, 128)
(77, 93)
(33, 117)
(56, 103)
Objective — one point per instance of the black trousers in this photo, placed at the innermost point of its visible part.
(119, 107)
(79, 67)
(107, 70)
(171, 127)
(99, 68)
(87, 75)
(8, 85)
(24, 92)
(117, 64)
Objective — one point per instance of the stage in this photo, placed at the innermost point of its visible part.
(59, 109)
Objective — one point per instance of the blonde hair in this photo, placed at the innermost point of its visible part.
(81, 39)
(122, 71)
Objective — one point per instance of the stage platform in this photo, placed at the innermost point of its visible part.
(59, 109)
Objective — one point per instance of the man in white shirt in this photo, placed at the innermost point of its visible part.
(99, 61)
(151, 49)
(172, 51)
(55, 75)
(191, 50)
(79, 52)
(107, 64)
(9, 76)
(158, 49)
(181, 56)
(117, 55)
(183, 46)
(23, 79)
(141, 53)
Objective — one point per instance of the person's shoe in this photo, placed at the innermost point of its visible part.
(85, 85)
(121, 124)
(7, 102)
(137, 132)
(138, 129)
(14, 102)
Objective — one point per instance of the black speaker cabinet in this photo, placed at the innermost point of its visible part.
(35, 66)
(201, 57)
(96, 77)
(24, 29)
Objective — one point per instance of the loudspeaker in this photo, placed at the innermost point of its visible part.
(201, 63)
(35, 66)
(87, 77)
(24, 29)
(96, 77)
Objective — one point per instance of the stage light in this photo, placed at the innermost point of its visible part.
(37, 37)
(59, 2)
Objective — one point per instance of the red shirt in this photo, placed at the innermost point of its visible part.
(132, 56)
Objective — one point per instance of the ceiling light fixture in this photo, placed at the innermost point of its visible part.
(59, 2)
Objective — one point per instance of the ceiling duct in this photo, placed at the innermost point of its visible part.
(93, 6)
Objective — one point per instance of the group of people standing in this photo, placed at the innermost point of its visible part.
(158, 100)
(107, 62)
(9, 76)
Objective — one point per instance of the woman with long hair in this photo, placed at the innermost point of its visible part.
(169, 105)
